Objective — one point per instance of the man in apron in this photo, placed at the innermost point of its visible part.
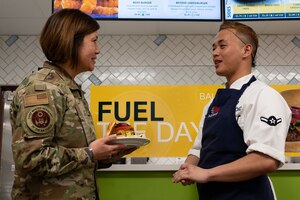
(243, 129)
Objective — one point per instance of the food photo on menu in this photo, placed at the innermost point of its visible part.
(292, 97)
(95, 8)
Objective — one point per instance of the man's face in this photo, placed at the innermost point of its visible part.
(228, 52)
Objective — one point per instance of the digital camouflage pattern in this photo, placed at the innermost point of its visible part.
(52, 127)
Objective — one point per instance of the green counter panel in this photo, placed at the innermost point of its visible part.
(157, 185)
(286, 184)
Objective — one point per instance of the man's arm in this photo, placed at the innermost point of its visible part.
(192, 159)
(250, 166)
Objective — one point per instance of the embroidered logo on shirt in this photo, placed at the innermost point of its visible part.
(272, 120)
(214, 111)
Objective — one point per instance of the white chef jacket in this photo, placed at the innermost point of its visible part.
(257, 103)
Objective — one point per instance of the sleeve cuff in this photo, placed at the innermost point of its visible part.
(90, 153)
(265, 149)
(194, 152)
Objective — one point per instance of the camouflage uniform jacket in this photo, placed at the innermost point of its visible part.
(52, 127)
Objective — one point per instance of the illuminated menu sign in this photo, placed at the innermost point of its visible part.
(146, 9)
(255, 10)
(174, 9)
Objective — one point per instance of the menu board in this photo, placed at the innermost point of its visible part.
(203, 10)
(261, 10)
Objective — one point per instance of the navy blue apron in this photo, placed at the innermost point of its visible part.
(222, 143)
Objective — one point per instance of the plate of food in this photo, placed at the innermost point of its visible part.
(126, 135)
(133, 141)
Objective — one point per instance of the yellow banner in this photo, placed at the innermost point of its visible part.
(168, 115)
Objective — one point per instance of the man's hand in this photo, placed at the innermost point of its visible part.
(188, 174)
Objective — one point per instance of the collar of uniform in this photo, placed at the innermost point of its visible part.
(240, 82)
(63, 74)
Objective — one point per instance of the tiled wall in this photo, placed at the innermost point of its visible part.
(138, 60)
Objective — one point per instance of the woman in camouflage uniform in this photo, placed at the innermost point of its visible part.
(54, 145)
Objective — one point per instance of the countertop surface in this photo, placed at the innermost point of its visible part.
(174, 167)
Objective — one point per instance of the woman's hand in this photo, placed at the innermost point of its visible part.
(122, 153)
(105, 149)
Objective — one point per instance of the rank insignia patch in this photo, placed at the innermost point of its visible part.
(272, 120)
(40, 119)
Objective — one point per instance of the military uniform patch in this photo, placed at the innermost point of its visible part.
(40, 119)
(36, 99)
(272, 120)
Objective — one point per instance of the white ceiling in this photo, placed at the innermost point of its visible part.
(27, 17)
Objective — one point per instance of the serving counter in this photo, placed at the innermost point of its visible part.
(173, 167)
(148, 182)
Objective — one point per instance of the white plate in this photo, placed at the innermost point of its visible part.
(133, 141)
